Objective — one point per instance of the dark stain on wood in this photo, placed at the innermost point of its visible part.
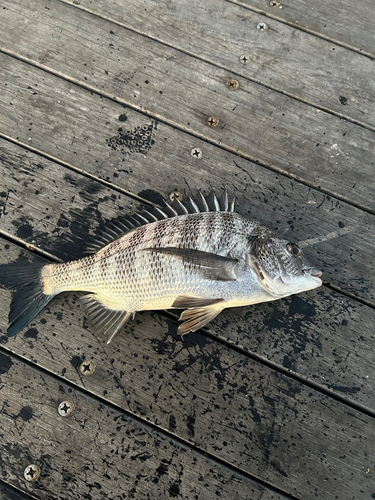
(5, 363)
(32, 333)
(26, 413)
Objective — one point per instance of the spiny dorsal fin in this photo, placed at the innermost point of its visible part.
(118, 228)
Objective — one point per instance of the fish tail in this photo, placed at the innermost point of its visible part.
(26, 283)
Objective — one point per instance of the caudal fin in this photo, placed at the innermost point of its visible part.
(28, 298)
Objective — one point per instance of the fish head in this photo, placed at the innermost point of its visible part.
(281, 266)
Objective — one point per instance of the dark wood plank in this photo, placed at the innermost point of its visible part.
(265, 126)
(97, 451)
(347, 23)
(7, 492)
(92, 141)
(54, 210)
(225, 403)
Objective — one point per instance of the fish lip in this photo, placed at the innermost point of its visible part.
(313, 273)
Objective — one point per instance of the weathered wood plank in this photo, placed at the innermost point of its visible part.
(98, 452)
(348, 23)
(91, 140)
(55, 210)
(234, 408)
(283, 58)
(7, 492)
(265, 126)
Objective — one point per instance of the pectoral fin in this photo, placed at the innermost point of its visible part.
(205, 264)
(186, 302)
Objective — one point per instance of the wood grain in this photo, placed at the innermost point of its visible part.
(54, 210)
(7, 492)
(346, 22)
(283, 57)
(262, 125)
(98, 451)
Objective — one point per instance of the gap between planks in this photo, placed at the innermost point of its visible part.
(230, 345)
(150, 425)
(169, 123)
(293, 25)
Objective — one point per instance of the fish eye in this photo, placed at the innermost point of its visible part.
(293, 249)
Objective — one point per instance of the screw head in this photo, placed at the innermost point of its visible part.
(31, 473)
(233, 84)
(262, 27)
(175, 195)
(87, 368)
(276, 3)
(65, 408)
(244, 59)
(196, 153)
(212, 121)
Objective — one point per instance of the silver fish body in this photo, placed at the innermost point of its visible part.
(202, 261)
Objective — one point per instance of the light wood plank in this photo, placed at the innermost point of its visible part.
(348, 23)
(227, 404)
(255, 122)
(97, 451)
(78, 127)
(308, 333)
(283, 57)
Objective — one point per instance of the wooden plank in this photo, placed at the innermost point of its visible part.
(348, 23)
(54, 210)
(264, 126)
(283, 58)
(97, 451)
(91, 141)
(225, 403)
(7, 492)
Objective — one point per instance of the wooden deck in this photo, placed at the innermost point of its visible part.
(101, 106)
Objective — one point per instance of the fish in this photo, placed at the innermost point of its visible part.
(199, 255)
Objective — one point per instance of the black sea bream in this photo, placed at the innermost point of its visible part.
(200, 256)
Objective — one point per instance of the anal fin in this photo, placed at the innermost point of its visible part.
(103, 319)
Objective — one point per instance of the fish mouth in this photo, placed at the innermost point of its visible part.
(313, 273)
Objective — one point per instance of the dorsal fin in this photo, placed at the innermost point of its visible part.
(119, 227)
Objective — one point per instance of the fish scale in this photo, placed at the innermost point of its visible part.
(192, 258)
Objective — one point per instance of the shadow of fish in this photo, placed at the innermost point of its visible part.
(200, 256)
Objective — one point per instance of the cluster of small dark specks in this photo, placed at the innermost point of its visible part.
(138, 140)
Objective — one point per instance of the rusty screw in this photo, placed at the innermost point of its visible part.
(175, 195)
(262, 27)
(244, 59)
(87, 368)
(65, 408)
(212, 121)
(196, 153)
(32, 472)
(233, 84)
